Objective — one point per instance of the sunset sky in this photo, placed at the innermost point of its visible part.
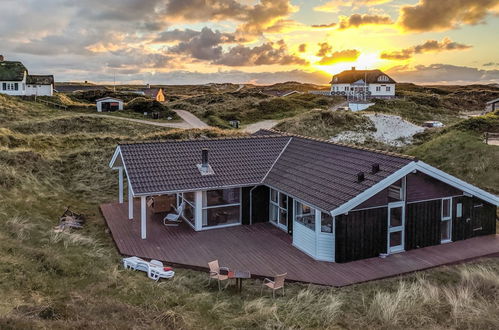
(239, 41)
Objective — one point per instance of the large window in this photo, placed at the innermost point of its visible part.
(446, 223)
(221, 207)
(305, 215)
(326, 223)
(279, 209)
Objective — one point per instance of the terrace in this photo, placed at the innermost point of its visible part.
(265, 250)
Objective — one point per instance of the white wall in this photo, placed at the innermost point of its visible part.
(382, 91)
(39, 90)
(21, 87)
(99, 104)
(304, 239)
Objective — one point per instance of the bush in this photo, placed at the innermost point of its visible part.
(141, 105)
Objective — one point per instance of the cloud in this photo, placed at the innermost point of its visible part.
(428, 46)
(334, 6)
(357, 20)
(324, 49)
(491, 64)
(443, 74)
(347, 55)
(302, 48)
(430, 15)
(269, 53)
(324, 26)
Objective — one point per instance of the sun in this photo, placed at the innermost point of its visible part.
(363, 62)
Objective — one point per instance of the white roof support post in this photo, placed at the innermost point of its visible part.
(120, 183)
(130, 202)
(143, 217)
(198, 215)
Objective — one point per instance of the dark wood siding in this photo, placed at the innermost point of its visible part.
(261, 204)
(380, 199)
(361, 234)
(422, 224)
(420, 187)
(478, 218)
(290, 215)
(245, 205)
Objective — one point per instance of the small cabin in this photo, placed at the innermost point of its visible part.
(107, 104)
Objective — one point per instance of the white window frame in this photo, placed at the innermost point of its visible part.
(447, 219)
(313, 211)
(279, 209)
(180, 199)
(401, 228)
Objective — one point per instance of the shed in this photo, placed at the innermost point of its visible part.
(106, 104)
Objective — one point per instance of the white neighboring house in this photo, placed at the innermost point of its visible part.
(492, 106)
(108, 103)
(15, 80)
(363, 84)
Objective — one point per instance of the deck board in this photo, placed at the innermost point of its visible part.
(265, 250)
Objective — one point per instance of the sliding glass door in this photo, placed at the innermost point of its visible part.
(221, 207)
(279, 209)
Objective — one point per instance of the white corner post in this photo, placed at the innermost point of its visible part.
(143, 217)
(198, 215)
(120, 182)
(130, 202)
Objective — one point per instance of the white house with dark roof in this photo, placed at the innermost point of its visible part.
(15, 80)
(363, 84)
(334, 202)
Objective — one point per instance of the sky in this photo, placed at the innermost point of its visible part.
(252, 41)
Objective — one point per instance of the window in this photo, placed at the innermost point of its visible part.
(388, 88)
(16, 86)
(4, 86)
(396, 191)
(279, 209)
(221, 207)
(383, 78)
(326, 223)
(190, 206)
(446, 223)
(305, 215)
(378, 88)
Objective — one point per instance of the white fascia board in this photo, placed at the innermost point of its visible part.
(115, 156)
(457, 183)
(368, 193)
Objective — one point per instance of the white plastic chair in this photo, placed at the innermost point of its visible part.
(174, 218)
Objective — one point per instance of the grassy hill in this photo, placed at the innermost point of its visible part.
(51, 159)
(460, 150)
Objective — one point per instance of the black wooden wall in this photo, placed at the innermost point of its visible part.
(422, 224)
(478, 218)
(290, 215)
(361, 234)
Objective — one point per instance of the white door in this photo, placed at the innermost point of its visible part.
(396, 223)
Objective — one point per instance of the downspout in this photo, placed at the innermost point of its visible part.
(251, 204)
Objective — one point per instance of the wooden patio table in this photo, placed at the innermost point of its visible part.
(239, 275)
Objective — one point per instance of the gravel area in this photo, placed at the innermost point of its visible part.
(391, 130)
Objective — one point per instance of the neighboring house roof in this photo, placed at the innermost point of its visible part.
(151, 92)
(108, 98)
(319, 172)
(12, 71)
(369, 76)
(77, 88)
(493, 101)
(40, 79)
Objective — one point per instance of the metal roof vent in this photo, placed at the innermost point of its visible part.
(360, 177)
(205, 168)
(375, 168)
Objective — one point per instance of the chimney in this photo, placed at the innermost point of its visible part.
(1, 58)
(353, 68)
(375, 168)
(204, 158)
(148, 86)
(360, 177)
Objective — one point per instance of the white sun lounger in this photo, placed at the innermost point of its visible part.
(154, 268)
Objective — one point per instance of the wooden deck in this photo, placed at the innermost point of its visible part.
(264, 250)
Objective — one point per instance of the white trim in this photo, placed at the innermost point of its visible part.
(401, 228)
(130, 202)
(198, 209)
(221, 226)
(198, 189)
(279, 208)
(294, 198)
(434, 199)
(143, 217)
(278, 157)
(446, 219)
(120, 185)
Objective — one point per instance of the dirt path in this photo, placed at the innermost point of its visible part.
(191, 120)
(264, 124)
(142, 121)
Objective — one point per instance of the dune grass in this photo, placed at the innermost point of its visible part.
(74, 280)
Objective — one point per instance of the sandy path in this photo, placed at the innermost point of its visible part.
(191, 120)
(264, 124)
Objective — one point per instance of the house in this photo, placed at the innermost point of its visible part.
(363, 84)
(40, 85)
(337, 203)
(492, 106)
(154, 93)
(15, 80)
(106, 104)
